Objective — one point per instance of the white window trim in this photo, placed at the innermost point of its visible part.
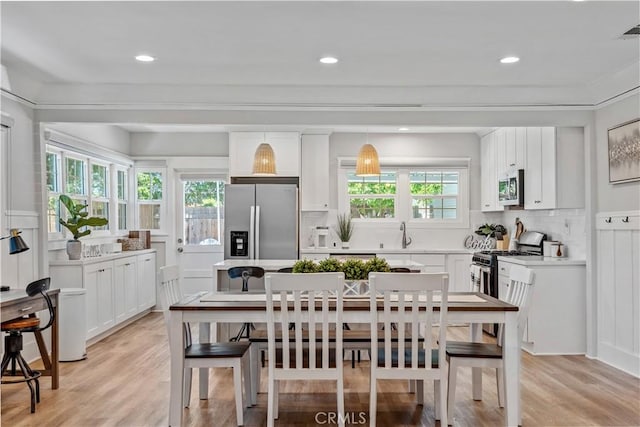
(182, 177)
(403, 196)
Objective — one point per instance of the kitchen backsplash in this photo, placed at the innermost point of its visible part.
(565, 225)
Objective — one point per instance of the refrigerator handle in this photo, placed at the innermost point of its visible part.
(251, 243)
(257, 246)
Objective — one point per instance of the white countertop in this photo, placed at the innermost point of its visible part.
(408, 250)
(102, 258)
(541, 261)
(276, 264)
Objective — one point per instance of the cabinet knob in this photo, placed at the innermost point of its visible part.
(486, 206)
(180, 250)
(536, 201)
(512, 164)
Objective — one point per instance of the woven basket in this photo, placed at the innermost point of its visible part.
(131, 244)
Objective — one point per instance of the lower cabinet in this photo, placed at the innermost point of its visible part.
(118, 286)
(557, 316)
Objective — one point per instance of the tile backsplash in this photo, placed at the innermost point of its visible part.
(564, 225)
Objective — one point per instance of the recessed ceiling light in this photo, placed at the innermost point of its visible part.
(403, 129)
(510, 60)
(145, 58)
(328, 60)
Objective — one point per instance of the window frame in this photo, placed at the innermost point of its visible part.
(403, 196)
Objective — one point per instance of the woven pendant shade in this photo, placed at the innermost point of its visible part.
(264, 161)
(367, 163)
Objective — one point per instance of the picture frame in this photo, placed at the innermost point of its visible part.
(624, 152)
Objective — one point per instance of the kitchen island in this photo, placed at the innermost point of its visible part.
(221, 280)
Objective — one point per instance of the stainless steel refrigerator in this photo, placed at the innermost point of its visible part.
(261, 221)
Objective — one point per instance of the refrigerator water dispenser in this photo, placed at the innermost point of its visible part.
(239, 243)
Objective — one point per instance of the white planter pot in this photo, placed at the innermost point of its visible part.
(345, 245)
(74, 249)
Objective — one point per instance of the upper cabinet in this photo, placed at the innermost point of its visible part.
(314, 178)
(553, 163)
(540, 172)
(285, 145)
(489, 173)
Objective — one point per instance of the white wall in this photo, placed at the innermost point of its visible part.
(618, 197)
(403, 145)
(108, 136)
(179, 144)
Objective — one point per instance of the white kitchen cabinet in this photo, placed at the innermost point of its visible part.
(285, 145)
(314, 177)
(98, 281)
(540, 173)
(557, 317)
(125, 288)
(119, 286)
(458, 266)
(489, 174)
(146, 281)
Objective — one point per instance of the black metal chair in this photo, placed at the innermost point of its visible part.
(13, 343)
(245, 273)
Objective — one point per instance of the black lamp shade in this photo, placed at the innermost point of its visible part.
(16, 243)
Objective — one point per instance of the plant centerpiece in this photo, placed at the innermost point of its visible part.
(329, 265)
(305, 266)
(344, 229)
(78, 218)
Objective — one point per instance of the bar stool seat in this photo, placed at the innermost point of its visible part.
(19, 324)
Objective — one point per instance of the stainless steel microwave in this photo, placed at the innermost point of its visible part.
(511, 188)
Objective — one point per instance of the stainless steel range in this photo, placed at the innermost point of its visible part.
(530, 244)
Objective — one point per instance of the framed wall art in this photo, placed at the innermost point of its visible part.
(624, 152)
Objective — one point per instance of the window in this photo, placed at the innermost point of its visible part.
(203, 212)
(434, 194)
(122, 198)
(53, 186)
(99, 192)
(372, 197)
(426, 196)
(149, 185)
(86, 180)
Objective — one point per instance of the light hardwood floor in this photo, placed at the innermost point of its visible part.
(125, 382)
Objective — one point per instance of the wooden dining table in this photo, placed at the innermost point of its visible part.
(463, 307)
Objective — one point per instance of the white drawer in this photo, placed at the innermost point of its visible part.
(504, 268)
(429, 260)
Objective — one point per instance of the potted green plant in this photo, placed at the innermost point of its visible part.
(329, 265)
(78, 218)
(344, 229)
(305, 266)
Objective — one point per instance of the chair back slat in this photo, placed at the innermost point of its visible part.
(171, 293)
(521, 281)
(409, 301)
(304, 300)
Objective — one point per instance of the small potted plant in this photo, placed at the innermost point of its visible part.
(305, 266)
(344, 229)
(329, 265)
(78, 218)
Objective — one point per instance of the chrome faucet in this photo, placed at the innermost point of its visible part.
(405, 241)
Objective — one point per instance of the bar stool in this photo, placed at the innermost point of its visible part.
(13, 343)
(245, 273)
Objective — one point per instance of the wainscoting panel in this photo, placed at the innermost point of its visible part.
(618, 289)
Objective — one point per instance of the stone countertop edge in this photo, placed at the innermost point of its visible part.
(102, 258)
(385, 251)
(541, 261)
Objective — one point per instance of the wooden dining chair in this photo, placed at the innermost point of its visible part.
(315, 302)
(409, 301)
(206, 355)
(488, 355)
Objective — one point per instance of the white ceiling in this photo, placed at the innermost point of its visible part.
(265, 54)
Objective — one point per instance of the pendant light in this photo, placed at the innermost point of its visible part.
(367, 163)
(264, 160)
(16, 242)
